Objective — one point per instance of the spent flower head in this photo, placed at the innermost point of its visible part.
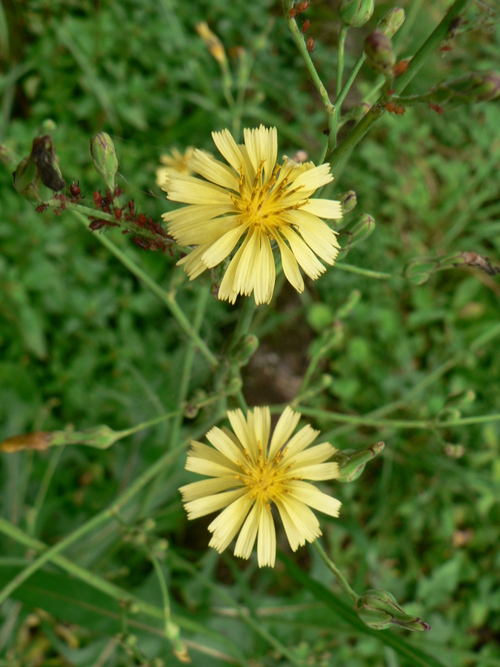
(250, 472)
(258, 202)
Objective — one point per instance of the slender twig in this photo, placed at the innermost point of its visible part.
(334, 569)
(167, 298)
(364, 420)
(379, 275)
(340, 63)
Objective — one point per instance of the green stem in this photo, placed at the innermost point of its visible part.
(167, 298)
(182, 394)
(172, 631)
(244, 322)
(429, 46)
(364, 420)
(93, 523)
(340, 64)
(334, 569)
(379, 275)
(342, 94)
(32, 514)
(128, 225)
(311, 69)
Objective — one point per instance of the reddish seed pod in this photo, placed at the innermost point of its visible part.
(141, 219)
(118, 213)
(310, 44)
(41, 207)
(97, 199)
(305, 26)
(131, 206)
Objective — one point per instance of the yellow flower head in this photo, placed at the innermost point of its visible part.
(249, 474)
(176, 163)
(256, 200)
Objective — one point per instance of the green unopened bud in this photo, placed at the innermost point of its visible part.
(391, 22)
(419, 270)
(104, 157)
(355, 13)
(348, 201)
(379, 609)
(245, 349)
(358, 232)
(379, 53)
(352, 463)
(467, 89)
(27, 180)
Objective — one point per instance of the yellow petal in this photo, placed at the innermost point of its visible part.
(286, 425)
(246, 538)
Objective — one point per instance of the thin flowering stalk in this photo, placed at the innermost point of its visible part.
(247, 205)
(429, 46)
(424, 424)
(167, 298)
(249, 471)
(334, 569)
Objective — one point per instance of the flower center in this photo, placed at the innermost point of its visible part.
(263, 478)
(262, 204)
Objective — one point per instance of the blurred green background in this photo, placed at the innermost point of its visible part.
(83, 342)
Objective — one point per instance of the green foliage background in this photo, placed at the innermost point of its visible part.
(83, 342)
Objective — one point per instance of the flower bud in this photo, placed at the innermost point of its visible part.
(379, 53)
(391, 22)
(379, 609)
(348, 200)
(245, 349)
(358, 232)
(355, 13)
(352, 463)
(104, 158)
(212, 42)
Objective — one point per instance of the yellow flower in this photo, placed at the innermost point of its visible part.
(259, 201)
(176, 163)
(249, 475)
